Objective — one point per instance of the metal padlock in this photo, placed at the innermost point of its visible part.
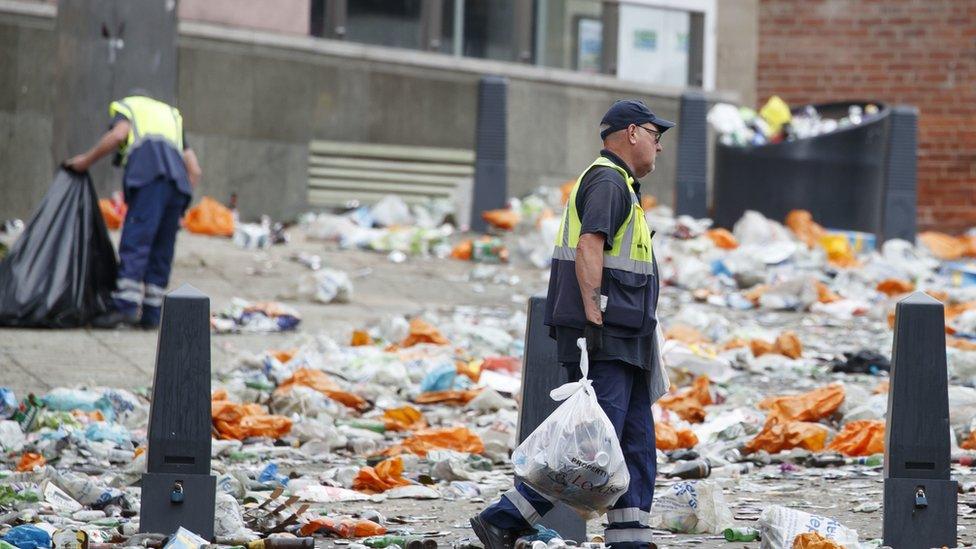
(176, 496)
(920, 500)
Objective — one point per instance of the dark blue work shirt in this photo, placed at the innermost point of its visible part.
(155, 159)
(603, 202)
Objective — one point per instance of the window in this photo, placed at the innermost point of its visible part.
(394, 23)
(568, 34)
(668, 42)
(479, 28)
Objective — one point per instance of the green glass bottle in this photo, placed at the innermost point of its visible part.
(742, 533)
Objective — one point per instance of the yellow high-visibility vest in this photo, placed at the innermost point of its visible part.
(631, 251)
(149, 119)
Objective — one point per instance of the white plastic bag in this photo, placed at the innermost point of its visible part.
(779, 526)
(574, 455)
(692, 507)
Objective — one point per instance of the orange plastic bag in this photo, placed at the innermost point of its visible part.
(760, 347)
(777, 436)
(734, 343)
(460, 439)
(648, 202)
(239, 421)
(825, 294)
(510, 364)
(566, 189)
(386, 475)
(209, 217)
(345, 528)
(722, 238)
(959, 343)
(863, 437)
(943, 246)
(29, 461)
(462, 250)
(450, 396)
(685, 334)
(321, 382)
(895, 286)
(505, 218)
(810, 406)
(405, 418)
(970, 241)
(690, 403)
(422, 332)
(787, 344)
(804, 227)
(970, 442)
(113, 211)
(283, 355)
(360, 338)
(668, 437)
(813, 540)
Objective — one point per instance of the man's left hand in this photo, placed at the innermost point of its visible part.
(77, 163)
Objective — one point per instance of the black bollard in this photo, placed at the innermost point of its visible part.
(898, 209)
(542, 373)
(691, 184)
(491, 150)
(919, 499)
(178, 489)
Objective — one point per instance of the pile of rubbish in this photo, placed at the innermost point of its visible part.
(404, 410)
(778, 340)
(776, 123)
(389, 226)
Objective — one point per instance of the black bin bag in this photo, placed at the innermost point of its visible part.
(61, 271)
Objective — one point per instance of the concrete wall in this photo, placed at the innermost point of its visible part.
(27, 53)
(737, 45)
(253, 100)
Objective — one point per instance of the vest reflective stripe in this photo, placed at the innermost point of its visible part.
(150, 120)
(631, 250)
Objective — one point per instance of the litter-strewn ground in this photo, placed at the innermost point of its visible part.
(763, 320)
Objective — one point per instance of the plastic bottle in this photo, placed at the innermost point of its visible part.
(743, 533)
(283, 543)
(694, 469)
(826, 460)
(732, 470)
(406, 542)
(375, 426)
(686, 455)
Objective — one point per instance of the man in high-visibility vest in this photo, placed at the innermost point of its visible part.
(603, 287)
(160, 173)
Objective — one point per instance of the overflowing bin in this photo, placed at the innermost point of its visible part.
(841, 175)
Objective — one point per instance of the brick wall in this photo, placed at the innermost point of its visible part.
(919, 52)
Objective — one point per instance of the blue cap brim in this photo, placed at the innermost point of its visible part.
(663, 124)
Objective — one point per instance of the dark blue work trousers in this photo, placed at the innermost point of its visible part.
(623, 393)
(146, 248)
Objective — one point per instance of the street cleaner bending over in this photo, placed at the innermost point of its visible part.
(604, 287)
(160, 173)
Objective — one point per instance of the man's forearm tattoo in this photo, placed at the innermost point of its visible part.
(595, 298)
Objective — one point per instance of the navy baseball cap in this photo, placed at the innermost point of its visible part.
(630, 111)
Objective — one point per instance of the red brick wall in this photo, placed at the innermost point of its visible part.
(918, 52)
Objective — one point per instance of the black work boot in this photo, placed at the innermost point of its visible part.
(493, 537)
(114, 319)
